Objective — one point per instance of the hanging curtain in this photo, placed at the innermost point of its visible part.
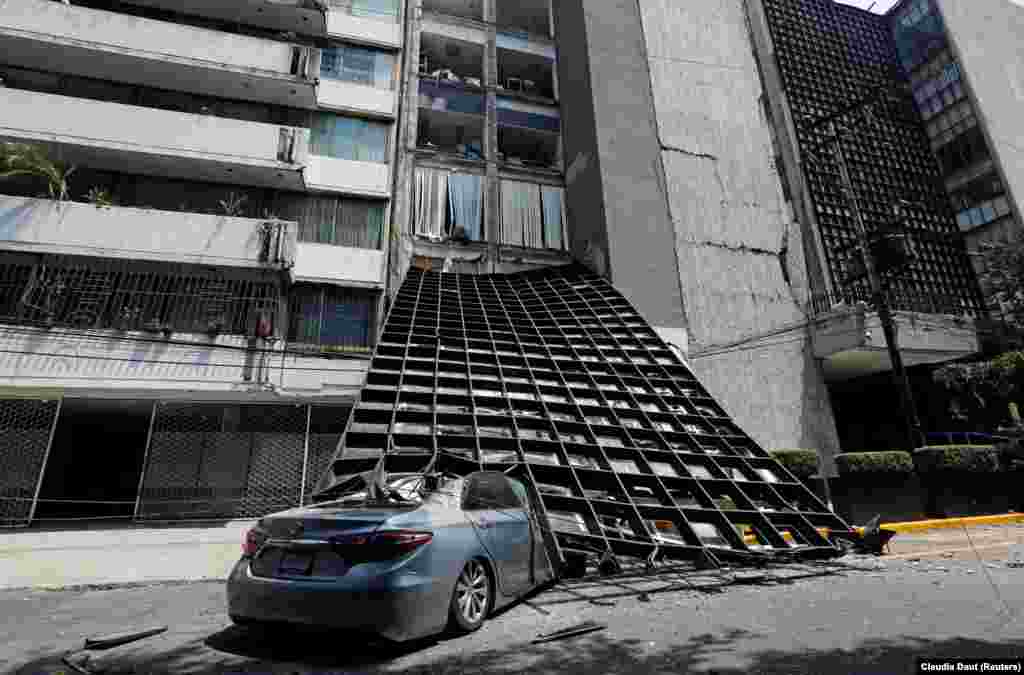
(348, 138)
(551, 197)
(334, 220)
(521, 214)
(465, 203)
(431, 201)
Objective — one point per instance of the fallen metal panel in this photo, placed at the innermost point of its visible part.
(553, 377)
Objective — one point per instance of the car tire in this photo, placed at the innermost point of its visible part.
(472, 598)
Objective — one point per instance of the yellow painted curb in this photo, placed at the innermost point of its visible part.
(944, 523)
(925, 525)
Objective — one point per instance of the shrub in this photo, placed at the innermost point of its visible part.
(890, 461)
(960, 458)
(801, 463)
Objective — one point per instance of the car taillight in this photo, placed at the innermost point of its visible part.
(254, 538)
(380, 545)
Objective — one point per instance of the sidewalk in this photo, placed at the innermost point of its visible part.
(139, 554)
(119, 555)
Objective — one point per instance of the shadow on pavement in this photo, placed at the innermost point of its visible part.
(304, 651)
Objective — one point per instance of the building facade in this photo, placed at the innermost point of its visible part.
(255, 179)
(185, 332)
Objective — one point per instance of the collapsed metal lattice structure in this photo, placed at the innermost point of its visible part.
(553, 377)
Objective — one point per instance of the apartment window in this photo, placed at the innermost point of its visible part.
(532, 215)
(349, 138)
(369, 9)
(963, 151)
(371, 67)
(980, 202)
(336, 220)
(448, 204)
(330, 318)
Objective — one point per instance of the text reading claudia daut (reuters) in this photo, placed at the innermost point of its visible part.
(970, 665)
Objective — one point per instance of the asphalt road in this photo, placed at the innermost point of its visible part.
(870, 615)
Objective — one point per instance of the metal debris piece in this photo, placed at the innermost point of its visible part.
(1016, 557)
(572, 631)
(109, 641)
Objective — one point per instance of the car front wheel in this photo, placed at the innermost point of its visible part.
(471, 599)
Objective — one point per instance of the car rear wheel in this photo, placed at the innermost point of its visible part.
(471, 599)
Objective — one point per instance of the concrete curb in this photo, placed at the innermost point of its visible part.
(926, 525)
(947, 523)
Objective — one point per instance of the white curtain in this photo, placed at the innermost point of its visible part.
(521, 214)
(431, 202)
(465, 199)
(553, 216)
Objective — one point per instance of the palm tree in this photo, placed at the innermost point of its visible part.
(24, 159)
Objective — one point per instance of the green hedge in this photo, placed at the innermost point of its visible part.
(801, 463)
(960, 458)
(892, 461)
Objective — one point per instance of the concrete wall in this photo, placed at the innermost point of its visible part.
(269, 13)
(384, 33)
(368, 179)
(111, 363)
(639, 243)
(132, 129)
(147, 38)
(45, 225)
(700, 237)
(351, 97)
(339, 264)
(986, 36)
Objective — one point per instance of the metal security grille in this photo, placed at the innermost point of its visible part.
(223, 461)
(554, 377)
(51, 290)
(26, 427)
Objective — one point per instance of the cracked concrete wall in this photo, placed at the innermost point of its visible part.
(620, 224)
(740, 254)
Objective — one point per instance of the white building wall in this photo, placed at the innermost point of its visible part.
(735, 242)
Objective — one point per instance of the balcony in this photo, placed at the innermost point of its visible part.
(133, 139)
(119, 47)
(463, 9)
(372, 22)
(532, 17)
(848, 337)
(451, 119)
(343, 265)
(526, 75)
(47, 226)
(529, 135)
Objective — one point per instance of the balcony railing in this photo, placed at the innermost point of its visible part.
(901, 301)
(105, 293)
(47, 226)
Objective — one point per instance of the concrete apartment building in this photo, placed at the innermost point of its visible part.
(208, 330)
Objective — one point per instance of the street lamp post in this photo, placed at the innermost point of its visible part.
(915, 436)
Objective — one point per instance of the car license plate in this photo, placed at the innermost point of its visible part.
(295, 564)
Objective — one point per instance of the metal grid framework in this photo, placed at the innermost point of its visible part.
(832, 56)
(554, 377)
(26, 427)
(94, 293)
